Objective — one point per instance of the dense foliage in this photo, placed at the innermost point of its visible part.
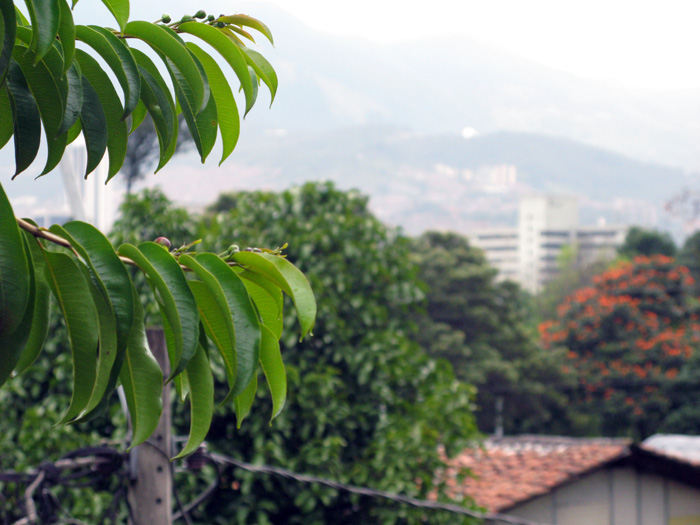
(629, 339)
(366, 405)
(488, 331)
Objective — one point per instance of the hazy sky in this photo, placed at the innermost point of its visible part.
(644, 44)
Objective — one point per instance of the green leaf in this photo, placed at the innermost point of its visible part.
(137, 116)
(106, 348)
(269, 286)
(66, 34)
(94, 124)
(142, 380)
(74, 131)
(74, 100)
(25, 118)
(7, 12)
(165, 44)
(273, 368)
(267, 297)
(119, 58)
(245, 319)
(244, 401)
(106, 270)
(45, 89)
(75, 300)
(45, 16)
(174, 297)
(202, 126)
(248, 21)
(21, 19)
(120, 11)
(263, 69)
(230, 124)
(201, 401)
(40, 315)
(228, 50)
(6, 127)
(12, 344)
(215, 314)
(254, 83)
(289, 278)
(156, 97)
(117, 130)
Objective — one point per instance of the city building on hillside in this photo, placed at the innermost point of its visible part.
(529, 253)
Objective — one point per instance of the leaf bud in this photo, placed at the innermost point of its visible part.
(220, 24)
(166, 18)
(163, 241)
(211, 18)
(200, 14)
(186, 18)
(233, 249)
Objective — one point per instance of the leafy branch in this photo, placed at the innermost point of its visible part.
(231, 302)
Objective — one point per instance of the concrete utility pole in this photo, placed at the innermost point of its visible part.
(150, 490)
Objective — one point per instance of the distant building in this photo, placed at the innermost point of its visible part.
(529, 253)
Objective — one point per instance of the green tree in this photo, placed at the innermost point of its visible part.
(642, 241)
(689, 255)
(487, 330)
(367, 406)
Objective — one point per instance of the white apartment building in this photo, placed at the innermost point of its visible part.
(529, 253)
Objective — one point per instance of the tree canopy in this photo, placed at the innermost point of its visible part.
(629, 339)
(487, 330)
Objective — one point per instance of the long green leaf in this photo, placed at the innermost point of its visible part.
(273, 368)
(45, 16)
(13, 344)
(75, 300)
(201, 401)
(137, 116)
(14, 269)
(25, 118)
(159, 103)
(6, 127)
(106, 270)
(45, 89)
(215, 314)
(174, 296)
(244, 401)
(227, 110)
(94, 124)
(7, 11)
(142, 380)
(202, 126)
(289, 278)
(268, 301)
(248, 21)
(106, 348)
(165, 44)
(120, 11)
(117, 130)
(40, 315)
(119, 58)
(271, 287)
(228, 50)
(245, 319)
(263, 69)
(66, 34)
(74, 99)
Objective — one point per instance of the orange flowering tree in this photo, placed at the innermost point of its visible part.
(628, 337)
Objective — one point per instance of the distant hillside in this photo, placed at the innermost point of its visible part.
(423, 181)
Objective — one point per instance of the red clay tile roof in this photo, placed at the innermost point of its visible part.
(511, 470)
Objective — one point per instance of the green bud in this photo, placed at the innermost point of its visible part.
(220, 24)
(200, 14)
(211, 18)
(186, 18)
(166, 18)
(233, 249)
(163, 241)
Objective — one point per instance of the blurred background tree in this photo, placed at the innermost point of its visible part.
(488, 330)
(630, 341)
(643, 241)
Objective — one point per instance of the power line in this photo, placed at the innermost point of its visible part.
(364, 491)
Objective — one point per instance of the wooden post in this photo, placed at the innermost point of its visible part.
(150, 494)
